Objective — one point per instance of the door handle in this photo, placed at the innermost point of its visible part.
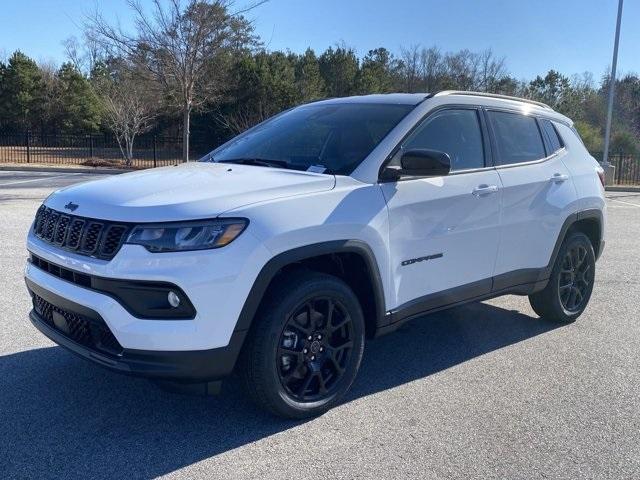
(482, 190)
(559, 177)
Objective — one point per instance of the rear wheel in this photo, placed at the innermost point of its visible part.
(569, 289)
(306, 347)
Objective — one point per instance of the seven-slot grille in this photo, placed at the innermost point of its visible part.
(86, 236)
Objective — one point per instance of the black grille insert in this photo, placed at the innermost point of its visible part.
(90, 332)
(86, 236)
(61, 230)
(72, 276)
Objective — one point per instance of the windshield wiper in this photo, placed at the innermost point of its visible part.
(261, 162)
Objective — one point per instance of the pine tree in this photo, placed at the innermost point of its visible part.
(376, 73)
(21, 93)
(79, 106)
(309, 82)
(339, 68)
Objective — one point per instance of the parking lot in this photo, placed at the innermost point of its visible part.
(482, 391)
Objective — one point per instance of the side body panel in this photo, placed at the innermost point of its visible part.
(536, 199)
(441, 234)
(584, 174)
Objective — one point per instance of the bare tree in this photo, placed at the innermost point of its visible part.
(462, 69)
(432, 68)
(185, 47)
(83, 56)
(128, 109)
(73, 50)
(242, 118)
(410, 67)
(491, 71)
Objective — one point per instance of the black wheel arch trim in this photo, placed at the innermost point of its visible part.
(289, 257)
(596, 214)
(592, 213)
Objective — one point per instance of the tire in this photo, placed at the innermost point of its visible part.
(300, 360)
(569, 288)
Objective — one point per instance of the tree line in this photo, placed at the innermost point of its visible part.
(198, 70)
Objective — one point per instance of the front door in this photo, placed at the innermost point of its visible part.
(444, 231)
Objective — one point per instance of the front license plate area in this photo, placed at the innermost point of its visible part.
(60, 322)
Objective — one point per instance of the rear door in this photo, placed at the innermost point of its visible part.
(444, 230)
(536, 197)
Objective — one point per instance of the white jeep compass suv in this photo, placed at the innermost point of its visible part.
(281, 250)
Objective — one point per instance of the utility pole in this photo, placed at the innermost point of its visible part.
(612, 83)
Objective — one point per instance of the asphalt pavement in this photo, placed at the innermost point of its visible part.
(482, 391)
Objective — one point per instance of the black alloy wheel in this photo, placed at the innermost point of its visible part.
(570, 284)
(315, 348)
(305, 345)
(575, 279)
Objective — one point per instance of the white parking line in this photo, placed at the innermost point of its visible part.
(37, 179)
(626, 203)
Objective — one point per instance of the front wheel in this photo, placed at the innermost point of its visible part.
(569, 289)
(306, 345)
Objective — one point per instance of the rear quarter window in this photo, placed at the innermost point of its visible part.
(555, 142)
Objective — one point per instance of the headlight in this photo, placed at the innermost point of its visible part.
(182, 236)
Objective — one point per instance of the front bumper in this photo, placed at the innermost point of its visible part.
(193, 366)
(217, 282)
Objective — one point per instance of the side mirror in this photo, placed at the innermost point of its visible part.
(425, 163)
(419, 162)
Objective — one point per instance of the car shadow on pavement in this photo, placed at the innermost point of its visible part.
(63, 417)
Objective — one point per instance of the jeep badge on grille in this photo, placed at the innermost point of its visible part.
(71, 206)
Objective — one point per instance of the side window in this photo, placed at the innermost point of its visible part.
(554, 139)
(456, 132)
(518, 138)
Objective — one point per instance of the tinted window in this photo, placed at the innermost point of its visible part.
(552, 135)
(456, 132)
(334, 136)
(517, 136)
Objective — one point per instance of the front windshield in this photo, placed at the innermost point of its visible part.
(331, 138)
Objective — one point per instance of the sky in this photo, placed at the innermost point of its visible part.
(571, 36)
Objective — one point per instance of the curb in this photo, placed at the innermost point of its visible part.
(616, 188)
(38, 168)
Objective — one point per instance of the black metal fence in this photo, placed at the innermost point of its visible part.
(156, 151)
(92, 150)
(627, 170)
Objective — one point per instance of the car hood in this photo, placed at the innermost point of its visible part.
(188, 191)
